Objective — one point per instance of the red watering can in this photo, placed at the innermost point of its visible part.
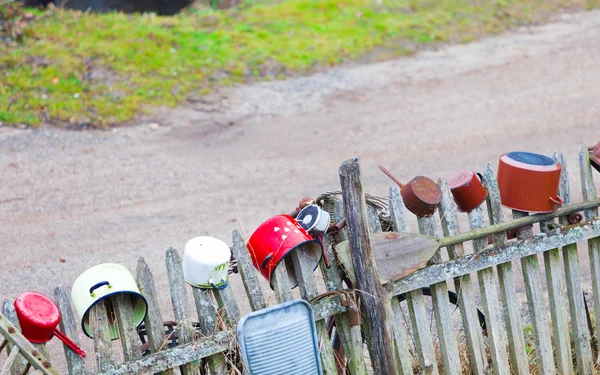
(39, 316)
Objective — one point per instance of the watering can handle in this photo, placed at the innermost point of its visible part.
(96, 286)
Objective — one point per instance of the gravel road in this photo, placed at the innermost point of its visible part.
(70, 200)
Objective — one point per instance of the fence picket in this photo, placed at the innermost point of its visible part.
(373, 219)
(99, 327)
(8, 310)
(537, 307)
(510, 304)
(281, 285)
(589, 192)
(127, 329)
(228, 307)
(397, 212)
(350, 335)
(308, 291)
(75, 363)
(374, 225)
(489, 296)
(207, 317)
(441, 308)
(421, 332)
(466, 301)
(581, 334)
(401, 338)
(558, 308)
(154, 322)
(248, 273)
(11, 360)
(181, 307)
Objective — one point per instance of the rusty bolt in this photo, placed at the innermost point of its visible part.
(47, 364)
(35, 353)
(11, 330)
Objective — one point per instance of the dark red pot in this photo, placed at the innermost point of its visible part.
(468, 190)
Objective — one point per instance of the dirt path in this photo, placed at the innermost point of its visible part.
(71, 200)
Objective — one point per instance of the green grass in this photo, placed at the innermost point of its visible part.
(142, 61)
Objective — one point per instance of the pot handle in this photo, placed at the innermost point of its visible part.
(556, 200)
(219, 287)
(267, 259)
(389, 174)
(480, 176)
(96, 286)
(62, 337)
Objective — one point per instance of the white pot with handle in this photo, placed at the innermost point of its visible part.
(103, 283)
(314, 219)
(206, 262)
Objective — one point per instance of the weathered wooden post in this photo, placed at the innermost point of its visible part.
(373, 296)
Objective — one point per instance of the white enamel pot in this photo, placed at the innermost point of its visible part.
(103, 283)
(206, 262)
(313, 218)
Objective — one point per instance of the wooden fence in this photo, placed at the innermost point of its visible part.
(385, 340)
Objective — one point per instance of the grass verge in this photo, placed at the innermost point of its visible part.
(70, 67)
